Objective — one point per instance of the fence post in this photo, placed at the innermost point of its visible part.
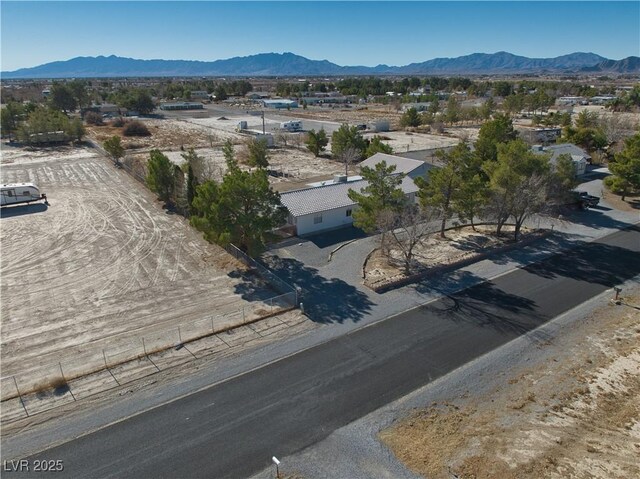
(17, 389)
(106, 365)
(144, 348)
(20, 396)
(179, 335)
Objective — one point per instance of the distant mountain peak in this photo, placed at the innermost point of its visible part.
(291, 64)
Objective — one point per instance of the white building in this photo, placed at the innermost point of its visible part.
(328, 206)
(579, 157)
(571, 100)
(280, 104)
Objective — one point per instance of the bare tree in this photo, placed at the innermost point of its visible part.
(616, 127)
(349, 156)
(296, 139)
(282, 138)
(407, 229)
(204, 169)
(531, 199)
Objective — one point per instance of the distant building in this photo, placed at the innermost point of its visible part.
(542, 135)
(280, 104)
(200, 95)
(322, 100)
(185, 105)
(258, 95)
(602, 99)
(571, 100)
(419, 106)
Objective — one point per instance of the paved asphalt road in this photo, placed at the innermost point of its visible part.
(232, 429)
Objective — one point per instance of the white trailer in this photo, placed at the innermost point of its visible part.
(15, 193)
(292, 125)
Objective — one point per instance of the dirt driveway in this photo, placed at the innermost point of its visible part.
(103, 265)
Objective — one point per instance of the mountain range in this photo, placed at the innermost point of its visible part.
(289, 64)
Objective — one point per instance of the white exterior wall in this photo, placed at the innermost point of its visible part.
(581, 166)
(331, 219)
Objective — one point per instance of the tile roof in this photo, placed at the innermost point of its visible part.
(329, 197)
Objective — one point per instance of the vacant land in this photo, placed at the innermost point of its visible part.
(575, 413)
(103, 265)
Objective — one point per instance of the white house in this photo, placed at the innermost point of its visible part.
(579, 157)
(328, 206)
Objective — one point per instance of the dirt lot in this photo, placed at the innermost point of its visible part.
(575, 413)
(165, 134)
(103, 264)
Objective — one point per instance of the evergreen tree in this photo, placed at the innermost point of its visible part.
(161, 176)
(258, 153)
(496, 131)
(240, 210)
(626, 169)
(382, 194)
(317, 141)
(347, 137)
(113, 146)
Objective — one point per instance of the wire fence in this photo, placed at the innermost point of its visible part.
(262, 270)
(91, 360)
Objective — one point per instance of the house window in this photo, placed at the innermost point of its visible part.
(317, 219)
(348, 212)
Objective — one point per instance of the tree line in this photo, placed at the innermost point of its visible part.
(501, 179)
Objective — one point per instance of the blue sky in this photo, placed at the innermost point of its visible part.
(346, 33)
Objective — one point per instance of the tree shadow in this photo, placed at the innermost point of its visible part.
(472, 243)
(594, 218)
(447, 283)
(470, 299)
(539, 251)
(330, 238)
(605, 264)
(252, 287)
(600, 208)
(325, 300)
(11, 211)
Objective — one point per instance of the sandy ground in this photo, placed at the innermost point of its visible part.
(170, 134)
(459, 244)
(576, 414)
(102, 266)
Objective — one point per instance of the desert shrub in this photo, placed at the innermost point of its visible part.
(118, 122)
(136, 128)
(93, 118)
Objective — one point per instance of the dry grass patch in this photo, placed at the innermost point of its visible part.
(576, 415)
